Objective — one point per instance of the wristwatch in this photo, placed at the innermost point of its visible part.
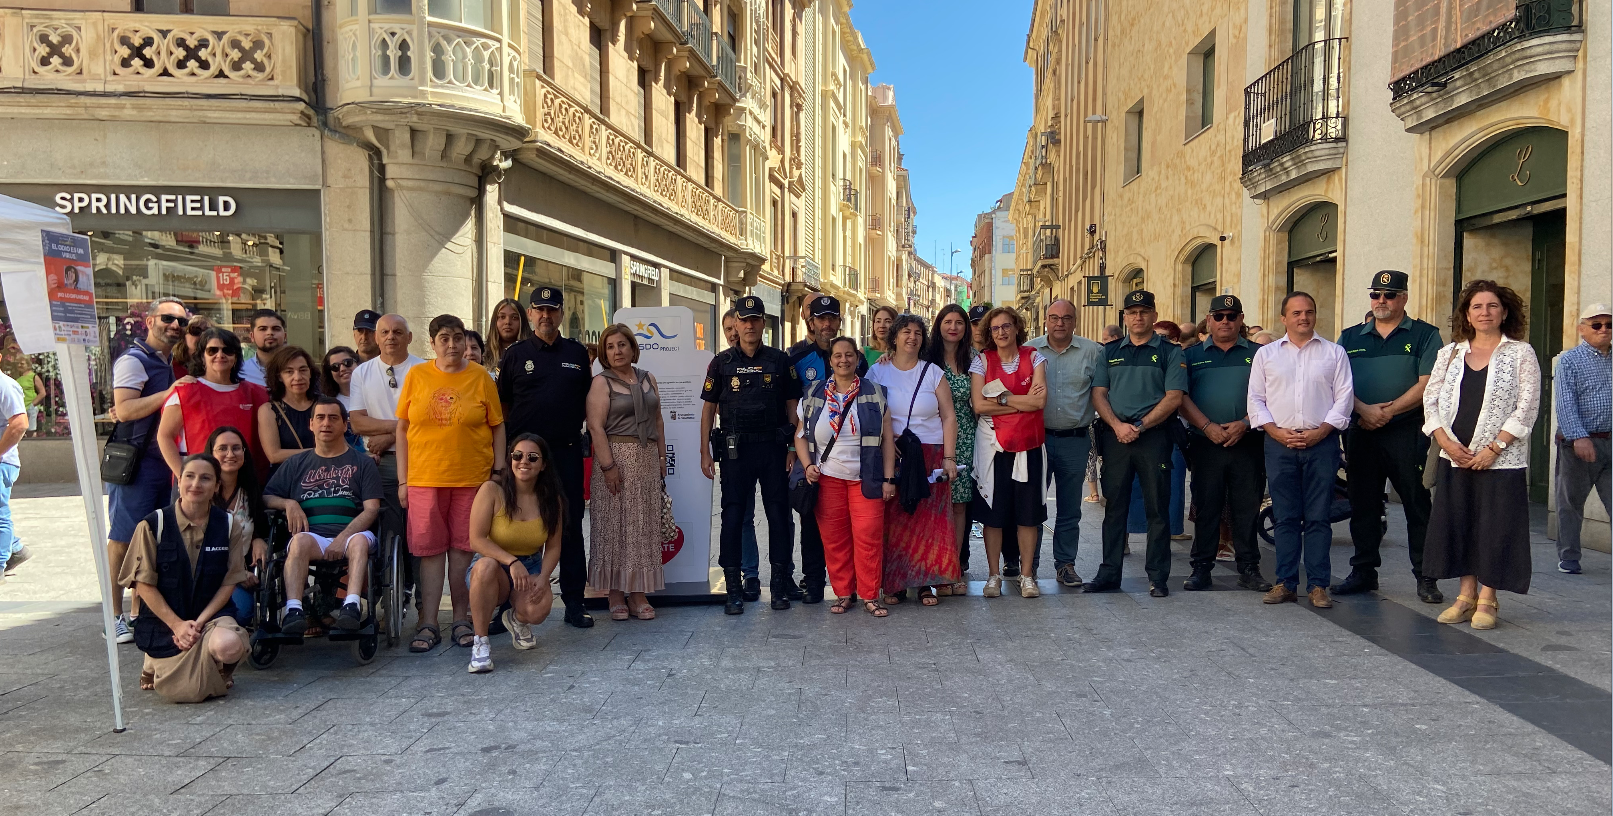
(1500, 445)
(1138, 425)
(889, 480)
(1002, 399)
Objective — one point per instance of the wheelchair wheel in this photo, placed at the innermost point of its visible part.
(1268, 525)
(263, 654)
(364, 649)
(393, 620)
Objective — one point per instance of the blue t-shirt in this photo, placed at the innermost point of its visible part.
(11, 404)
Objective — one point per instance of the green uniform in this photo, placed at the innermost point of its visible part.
(1218, 381)
(1138, 376)
(1227, 481)
(1386, 367)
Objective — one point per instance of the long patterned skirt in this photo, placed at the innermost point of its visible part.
(624, 541)
(920, 549)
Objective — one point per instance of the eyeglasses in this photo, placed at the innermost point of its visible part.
(1598, 325)
(169, 320)
(237, 449)
(344, 363)
(532, 457)
(218, 351)
(1224, 317)
(1383, 295)
(391, 378)
(1003, 329)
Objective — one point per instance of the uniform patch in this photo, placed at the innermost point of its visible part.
(734, 384)
(749, 370)
(812, 373)
(573, 366)
(708, 383)
(767, 379)
(529, 366)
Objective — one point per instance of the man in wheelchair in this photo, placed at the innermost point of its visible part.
(331, 497)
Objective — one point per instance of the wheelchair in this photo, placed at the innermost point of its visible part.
(382, 599)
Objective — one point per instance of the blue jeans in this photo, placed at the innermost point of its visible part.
(1301, 485)
(1137, 520)
(1067, 462)
(748, 559)
(8, 536)
(242, 598)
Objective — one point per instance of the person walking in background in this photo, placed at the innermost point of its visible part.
(220, 397)
(364, 340)
(14, 413)
(750, 557)
(20, 367)
(450, 438)
(1226, 453)
(268, 333)
(143, 379)
(920, 550)
(1072, 362)
(1300, 394)
(506, 327)
(1008, 445)
(285, 422)
(1391, 356)
(628, 433)
(1481, 402)
(1136, 392)
(515, 529)
(1584, 400)
(854, 468)
(543, 385)
(879, 330)
(950, 350)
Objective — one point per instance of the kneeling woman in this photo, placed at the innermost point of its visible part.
(183, 565)
(515, 528)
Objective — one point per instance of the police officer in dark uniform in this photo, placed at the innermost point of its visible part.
(1391, 357)
(754, 388)
(810, 361)
(1136, 390)
(543, 384)
(1227, 455)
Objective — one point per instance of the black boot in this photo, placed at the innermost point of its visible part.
(1198, 581)
(1356, 582)
(735, 582)
(753, 589)
(1428, 590)
(1250, 579)
(811, 593)
(779, 588)
(795, 592)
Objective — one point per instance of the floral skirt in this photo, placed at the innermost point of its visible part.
(624, 529)
(920, 549)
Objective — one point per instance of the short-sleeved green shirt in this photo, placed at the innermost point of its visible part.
(1138, 376)
(1218, 381)
(1386, 367)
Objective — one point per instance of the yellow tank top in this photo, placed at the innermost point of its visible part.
(518, 538)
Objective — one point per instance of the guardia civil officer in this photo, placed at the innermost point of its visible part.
(810, 361)
(1227, 456)
(1391, 358)
(754, 388)
(543, 384)
(1136, 390)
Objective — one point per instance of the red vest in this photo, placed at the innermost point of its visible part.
(1019, 431)
(206, 410)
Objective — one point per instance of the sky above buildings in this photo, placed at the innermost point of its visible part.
(964, 94)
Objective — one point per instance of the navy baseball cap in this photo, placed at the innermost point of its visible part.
(549, 296)
(749, 306)
(366, 319)
(1138, 297)
(1226, 303)
(977, 313)
(822, 305)
(1390, 280)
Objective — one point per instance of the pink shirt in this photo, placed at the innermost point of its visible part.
(1301, 387)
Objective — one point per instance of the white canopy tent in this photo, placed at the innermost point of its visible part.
(22, 277)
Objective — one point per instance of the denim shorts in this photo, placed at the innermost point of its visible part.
(533, 564)
(152, 488)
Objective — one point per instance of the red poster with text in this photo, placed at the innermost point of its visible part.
(227, 282)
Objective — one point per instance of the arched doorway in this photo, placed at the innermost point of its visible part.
(1511, 227)
(1202, 279)
(1130, 281)
(1313, 252)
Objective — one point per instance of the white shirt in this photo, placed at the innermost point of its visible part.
(1301, 387)
(12, 404)
(252, 370)
(1511, 399)
(127, 372)
(370, 391)
(173, 399)
(899, 387)
(845, 460)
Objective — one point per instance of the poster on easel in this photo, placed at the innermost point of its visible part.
(70, 287)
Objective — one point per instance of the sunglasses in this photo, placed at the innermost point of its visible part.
(1383, 295)
(518, 456)
(218, 351)
(343, 364)
(1598, 325)
(169, 320)
(1224, 317)
(391, 378)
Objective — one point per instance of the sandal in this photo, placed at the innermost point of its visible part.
(644, 612)
(876, 609)
(464, 635)
(894, 598)
(943, 590)
(148, 681)
(960, 589)
(423, 642)
(618, 612)
(927, 597)
(841, 606)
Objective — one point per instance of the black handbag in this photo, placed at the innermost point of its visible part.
(804, 491)
(912, 477)
(120, 459)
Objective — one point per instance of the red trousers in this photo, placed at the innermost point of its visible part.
(853, 531)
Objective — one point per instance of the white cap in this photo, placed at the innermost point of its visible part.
(1594, 310)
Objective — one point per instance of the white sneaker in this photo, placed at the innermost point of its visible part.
(120, 626)
(1028, 587)
(521, 636)
(994, 587)
(481, 656)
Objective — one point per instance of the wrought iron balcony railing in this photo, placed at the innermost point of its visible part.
(1299, 102)
(876, 160)
(848, 278)
(1533, 18)
(1047, 242)
(728, 67)
(850, 195)
(806, 271)
(697, 31)
(876, 223)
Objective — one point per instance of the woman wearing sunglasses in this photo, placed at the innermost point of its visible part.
(515, 527)
(217, 398)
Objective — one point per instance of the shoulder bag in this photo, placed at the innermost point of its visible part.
(120, 459)
(804, 491)
(912, 477)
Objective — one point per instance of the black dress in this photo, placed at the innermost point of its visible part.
(1480, 521)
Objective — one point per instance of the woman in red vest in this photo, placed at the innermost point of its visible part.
(218, 398)
(1009, 384)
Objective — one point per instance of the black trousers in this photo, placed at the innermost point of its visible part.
(573, 557)
(1396, 452)
(759, 464)
(1231, 479)
(814, 570)
(1148, 459)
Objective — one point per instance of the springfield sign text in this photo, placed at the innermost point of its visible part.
(216, 206)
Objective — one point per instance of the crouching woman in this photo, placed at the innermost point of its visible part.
(183, 566)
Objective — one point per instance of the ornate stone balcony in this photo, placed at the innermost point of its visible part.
(401, 58)
(155, 57)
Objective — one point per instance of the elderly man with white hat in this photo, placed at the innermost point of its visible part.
(1584, 397)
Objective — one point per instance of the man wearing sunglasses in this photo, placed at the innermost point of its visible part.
(1227, 456)
(142, 380)
(1584, 401)
(1391, 357)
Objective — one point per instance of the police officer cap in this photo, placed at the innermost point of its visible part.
(824, 305)
(1390, 280)
(1226, 303)
(549, 296)
(1138, 297)
(366, 319)
(977, 313)
(749, 306)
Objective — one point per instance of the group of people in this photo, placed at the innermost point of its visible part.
(887, 452)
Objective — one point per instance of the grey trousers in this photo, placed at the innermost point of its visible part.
(1575, 478)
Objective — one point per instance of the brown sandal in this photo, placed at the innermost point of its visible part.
(876, 609)
(841, 606)
(927, 597)
(148, 681)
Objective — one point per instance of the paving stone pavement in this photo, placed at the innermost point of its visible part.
(1200, 703)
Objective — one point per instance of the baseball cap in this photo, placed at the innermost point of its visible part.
(549, 296)
(366, 319)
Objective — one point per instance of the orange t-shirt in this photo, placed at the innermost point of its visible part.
(451, 420)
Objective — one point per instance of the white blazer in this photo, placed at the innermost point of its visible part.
(1511, 398)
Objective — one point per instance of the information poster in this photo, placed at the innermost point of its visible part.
(666, 343)
(70, 287)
